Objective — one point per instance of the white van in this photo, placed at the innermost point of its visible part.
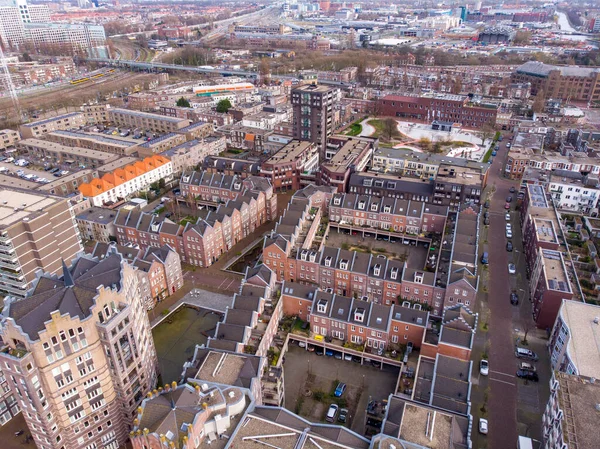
(523, 353)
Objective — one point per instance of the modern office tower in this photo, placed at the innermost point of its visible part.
(37, 230)
(79, 354)
(313, 114)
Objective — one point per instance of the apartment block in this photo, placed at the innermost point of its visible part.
(313, 114)
(286, 167)
(549, 285)
(199, 130)
(401, 216)
(190, 154)
(572, 341)
(574, 192)
(37, 231)
(9, 406)
(57, 153)
(121, 146)
(96, 224)
(8, 137)
(145, 120)
(79, 354)
(96, 113)
(560, 82)
(123, 182)
(343, 156)
(572, 400)
(230, 166)
(441, 107)
(41, 127)
(203, 187)
(160, 144)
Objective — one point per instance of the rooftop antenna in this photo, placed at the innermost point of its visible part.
(9, 83)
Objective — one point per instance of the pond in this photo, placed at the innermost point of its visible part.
(248, 259)
(177, 336)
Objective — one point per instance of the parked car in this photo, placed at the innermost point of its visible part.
(484, 367)
(343, 415)
(511, 268)
(514, 299)
(329, 353)
(508, 145)
(332, 413)
(509, 246)
(524, 353)
(512, 190)
(508, 226)
(528, 375)
(340, 389)
(508, 234)
(347, 357)
(507, 217)
(486, 204)
(485, 258)
(486, 221)
(506, 206)
(483, 426)
(508, 198)
(527, 367)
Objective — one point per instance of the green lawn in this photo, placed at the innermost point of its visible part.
(354, 130)
(380, 129)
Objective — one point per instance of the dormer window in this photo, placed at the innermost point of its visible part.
(344, 264)
(374, 207)
(378, 183)
(368, 182)
(359, 315)
(337, 201)
(313, 256)
(394, 273)
(387, 209)
(377, 270)
(419, 277)
(391, 185)
(322, 306)
(361, 205)
(303, 254)
(328, 261)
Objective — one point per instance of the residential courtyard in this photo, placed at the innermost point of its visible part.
(310, 381)
(176, 338)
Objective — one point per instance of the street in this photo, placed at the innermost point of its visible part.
(511, 406)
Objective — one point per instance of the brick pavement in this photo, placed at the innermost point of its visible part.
(511, 407)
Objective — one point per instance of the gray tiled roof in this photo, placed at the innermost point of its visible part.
(51, 294)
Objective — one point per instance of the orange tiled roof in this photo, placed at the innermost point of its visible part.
(122, 175)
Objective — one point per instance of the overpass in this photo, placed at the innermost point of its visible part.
(159, 66)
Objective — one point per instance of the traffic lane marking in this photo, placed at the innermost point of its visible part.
(503, 381)
(503, 374)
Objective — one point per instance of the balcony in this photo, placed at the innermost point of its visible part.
(14, 290)
(10, 258)
(17, 352)
(4, 239)
(10, 266)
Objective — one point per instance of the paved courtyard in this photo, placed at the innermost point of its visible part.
(306, 371)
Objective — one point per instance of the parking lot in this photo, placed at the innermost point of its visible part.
(310, 381)
(415, 255)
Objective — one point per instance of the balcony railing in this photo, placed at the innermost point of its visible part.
(10, 266)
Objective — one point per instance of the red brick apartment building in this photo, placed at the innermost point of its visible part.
(380, 280)
(379, 327)
(444, 107)
(547, 272)
(200, 243)
(343, 156)
(214, 188)
(285, 168)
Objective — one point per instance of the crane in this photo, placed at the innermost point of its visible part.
(9, 83)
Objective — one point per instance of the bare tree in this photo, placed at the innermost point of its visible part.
(539, 102)
(390, 128)
(425, 143)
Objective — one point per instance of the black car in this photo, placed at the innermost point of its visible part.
(509, 199)
(486, 214)
(343, 416)
(486, 221)
(527, 375)
(512, 190)
(509, 246)
(486, 204)
(514, 299)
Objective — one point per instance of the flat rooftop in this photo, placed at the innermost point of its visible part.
(76, 151)
(578, 398)
(147, 115)
(122, 142)
(556, 274)
(584, 341)
(21, 205)
(537, 195)
(52, 119)
(414, 427)
(221, 367)
(289, 153)
(545, 229)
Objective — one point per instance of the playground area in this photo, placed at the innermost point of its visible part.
(413, 136)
